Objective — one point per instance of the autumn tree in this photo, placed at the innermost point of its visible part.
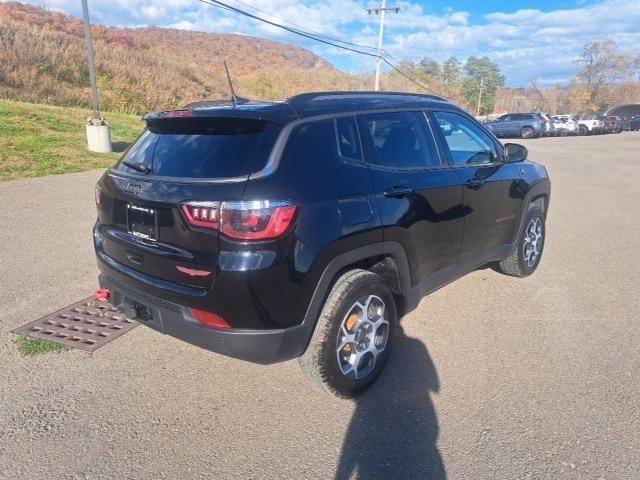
(483, 78)
(451, 72)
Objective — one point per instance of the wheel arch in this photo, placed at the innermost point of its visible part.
(538, 191)
(387, 259)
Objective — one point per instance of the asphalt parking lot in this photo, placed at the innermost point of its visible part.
(492, 378)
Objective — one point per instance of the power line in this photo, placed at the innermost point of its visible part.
(224, 6)
(306, 29)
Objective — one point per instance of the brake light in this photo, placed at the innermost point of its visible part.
(209, 319)
(205, 215)
(177, 113)
(260, 220)
(98, 196)
(252, 220)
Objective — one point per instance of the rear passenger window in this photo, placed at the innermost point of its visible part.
(347, 135)
(398, 140)
(467, 142)
(313, 142)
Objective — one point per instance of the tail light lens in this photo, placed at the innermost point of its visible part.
(205, 215)
(252, 220)
(98, 196)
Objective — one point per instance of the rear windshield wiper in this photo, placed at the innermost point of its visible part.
(138, 167)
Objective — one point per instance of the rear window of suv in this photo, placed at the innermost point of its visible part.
(200, 147)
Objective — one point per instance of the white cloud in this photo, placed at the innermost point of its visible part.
(525, 42)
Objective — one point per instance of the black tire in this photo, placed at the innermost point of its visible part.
(582, 130)
(320, 361)
(517, 264)
(527, 132)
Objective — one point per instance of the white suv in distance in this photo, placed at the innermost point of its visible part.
(565, 125)
(550, 126)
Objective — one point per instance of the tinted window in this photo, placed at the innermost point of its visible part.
(203, 148)
(467, 142)
(347, 135)
(312, 141)
(141, 151)
(398, 140)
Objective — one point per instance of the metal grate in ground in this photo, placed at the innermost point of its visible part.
(86, 325)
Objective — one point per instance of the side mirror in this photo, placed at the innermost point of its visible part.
(514, 152)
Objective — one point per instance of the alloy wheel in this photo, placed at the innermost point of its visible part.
(527, 132)
(363, 336)
(533, 239)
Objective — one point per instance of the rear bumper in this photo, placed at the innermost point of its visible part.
(257, 346)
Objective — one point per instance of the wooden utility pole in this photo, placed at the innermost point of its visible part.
(92, 66)
(381, 11)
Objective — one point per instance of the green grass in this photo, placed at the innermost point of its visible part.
(29, 346)
(40, 140)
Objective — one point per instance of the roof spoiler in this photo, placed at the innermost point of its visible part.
(215, 103)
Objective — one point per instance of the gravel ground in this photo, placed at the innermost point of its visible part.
(493, 377)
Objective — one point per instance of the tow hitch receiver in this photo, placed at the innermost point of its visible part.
(135, 311)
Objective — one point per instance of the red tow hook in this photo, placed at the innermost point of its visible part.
(102, 294)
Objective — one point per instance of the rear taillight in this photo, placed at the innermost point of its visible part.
(98, 196)
(177, 114)
(206, 215)
(209, 319)
(259, 220)
(245, 220)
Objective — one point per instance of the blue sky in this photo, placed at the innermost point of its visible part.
(527, 38)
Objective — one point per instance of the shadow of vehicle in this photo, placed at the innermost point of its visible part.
(394, 429)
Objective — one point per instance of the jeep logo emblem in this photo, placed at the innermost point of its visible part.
(133, 188)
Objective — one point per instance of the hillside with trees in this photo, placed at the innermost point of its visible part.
(143, 69)
(44, 61)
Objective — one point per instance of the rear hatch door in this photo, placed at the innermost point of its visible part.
(175, 161)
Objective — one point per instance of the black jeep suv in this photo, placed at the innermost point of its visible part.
(307, 228)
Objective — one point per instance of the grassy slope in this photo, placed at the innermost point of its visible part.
(41, 140)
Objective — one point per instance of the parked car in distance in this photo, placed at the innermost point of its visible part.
(624, 123)
(307, 228)
(608, 124)
(589, 124)
(524, 125)
(565, 125)
(616, 123)
(550, 126)
(634, 123)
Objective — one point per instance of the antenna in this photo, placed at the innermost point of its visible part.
(234, 99)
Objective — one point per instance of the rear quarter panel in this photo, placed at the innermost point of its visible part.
(337, 213)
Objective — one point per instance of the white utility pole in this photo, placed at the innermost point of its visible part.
(381, 11)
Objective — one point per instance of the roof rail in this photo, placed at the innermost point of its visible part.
(306, 97)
